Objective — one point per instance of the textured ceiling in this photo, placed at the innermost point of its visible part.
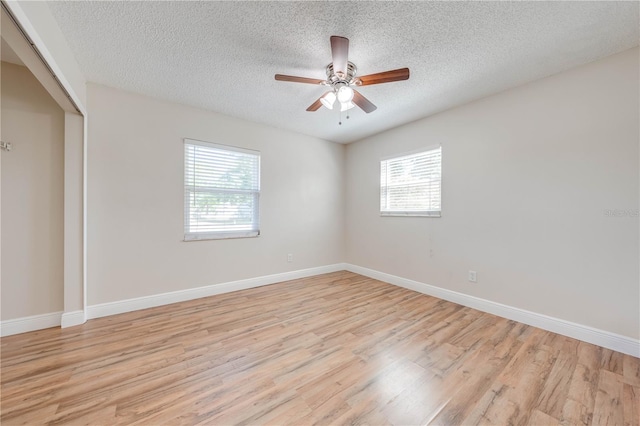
(222, 56)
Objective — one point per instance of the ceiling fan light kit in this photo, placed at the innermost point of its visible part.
(345, 94)
(347, 106)
(341, 78)
(328, 99)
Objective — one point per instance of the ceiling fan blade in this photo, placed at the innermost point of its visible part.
(316, 105)
(363, 102)
(385, 77)
(340, 53)
(282, 77)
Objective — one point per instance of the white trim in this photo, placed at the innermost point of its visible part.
(585, 333)
(85, 209)
(220, 235)
(426, 213)
(69, 319)
(122, 306)
(32, 323)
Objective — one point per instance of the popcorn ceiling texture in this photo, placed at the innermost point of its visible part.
(222, 56)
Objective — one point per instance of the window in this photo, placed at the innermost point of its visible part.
(221, 191)
(410, 185)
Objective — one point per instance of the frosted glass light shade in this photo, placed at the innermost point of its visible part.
(346, 106)
(328, 100)
(345, 94)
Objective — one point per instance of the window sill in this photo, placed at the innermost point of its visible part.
(410, 214)
(188, 238)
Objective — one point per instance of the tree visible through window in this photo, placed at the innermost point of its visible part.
(410, 185)
(222, 191)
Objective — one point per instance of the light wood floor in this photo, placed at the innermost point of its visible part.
(333, 349)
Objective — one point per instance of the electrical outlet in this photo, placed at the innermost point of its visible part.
(473, 276)
(290, 258)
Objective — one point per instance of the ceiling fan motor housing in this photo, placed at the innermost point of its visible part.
(338, 79)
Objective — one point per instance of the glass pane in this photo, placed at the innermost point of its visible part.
(210, 212)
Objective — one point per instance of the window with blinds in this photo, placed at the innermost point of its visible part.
(221, 190)
(411, 185)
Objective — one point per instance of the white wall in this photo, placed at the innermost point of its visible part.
(32, 197)
(135, 199)
(527, 177)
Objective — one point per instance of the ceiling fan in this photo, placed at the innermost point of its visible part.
(341, 76)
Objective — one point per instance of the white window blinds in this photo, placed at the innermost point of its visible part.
(222, 191)
(410, 185)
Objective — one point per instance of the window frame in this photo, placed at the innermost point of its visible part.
(410, 213)
(223, 234)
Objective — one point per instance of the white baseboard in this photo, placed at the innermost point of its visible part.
(69, 319)
(129, 305)
(585, 333)
(32, 323)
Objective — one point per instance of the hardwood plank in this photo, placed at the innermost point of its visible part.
(417, 402)
(631, 371)
(581, 395)
(538, 418)
(574, 413)
(475, 374)
(556, 388)
(608, 408)
(512, 396)
(612, 361)
(631, 405)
